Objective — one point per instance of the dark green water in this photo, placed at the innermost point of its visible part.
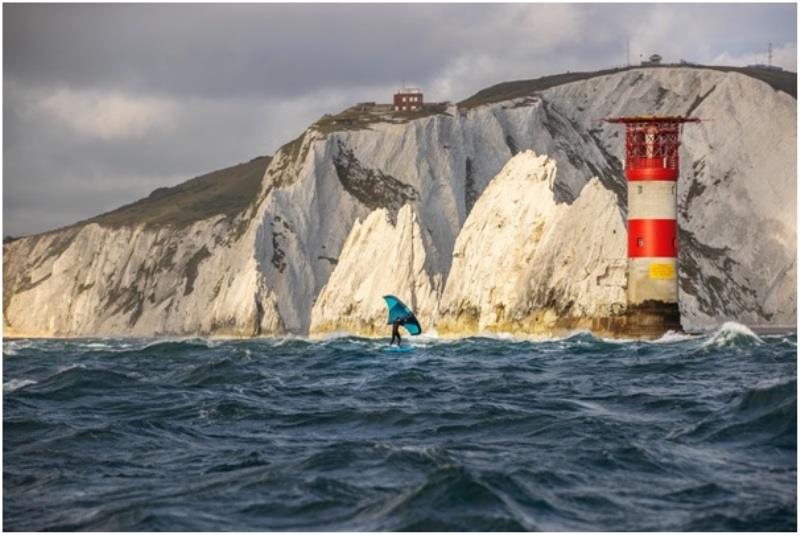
(481, 434)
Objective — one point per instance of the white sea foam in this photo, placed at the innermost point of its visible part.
(327, 337)
(732, 333)
(71, 367)
(186, 339)
(13, 347)
(426, 337)
(504, 337)
(671, 337)
(16, 384)
(98, 345)
(617, 340)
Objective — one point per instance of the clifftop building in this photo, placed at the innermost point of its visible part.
(655, 59)
(408, 99)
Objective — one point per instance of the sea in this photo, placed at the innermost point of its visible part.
(685, 433)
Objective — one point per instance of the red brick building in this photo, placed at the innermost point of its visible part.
(408, 100)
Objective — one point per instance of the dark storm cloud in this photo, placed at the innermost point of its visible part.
(209, 50)
(282, 50)
(105, 102)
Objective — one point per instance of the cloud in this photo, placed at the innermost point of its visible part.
(784, 56)
(104, 102)
(220, 50)
(701, 33)
(109, 115)
(61, 170)
(269, 50)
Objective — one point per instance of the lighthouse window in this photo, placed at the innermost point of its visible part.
(640, 242)
(673, 190)
(639, 189)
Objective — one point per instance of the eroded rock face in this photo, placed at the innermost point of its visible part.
(380, 257)
(263, 271)
(134, 282)
(525, 263)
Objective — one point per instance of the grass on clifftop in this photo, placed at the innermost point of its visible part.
(350, 119)
(780, 80)
(224, 192)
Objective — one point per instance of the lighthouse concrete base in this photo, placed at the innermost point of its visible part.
(647, 320)
(652, 319)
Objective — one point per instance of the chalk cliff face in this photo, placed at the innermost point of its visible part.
(523, 262)
(169, 273)
(380, 257)
(134, 281)
(363, 205)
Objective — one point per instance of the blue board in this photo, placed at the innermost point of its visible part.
(398, 310)
(398, 349)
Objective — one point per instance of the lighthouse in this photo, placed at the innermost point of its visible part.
(651, 171)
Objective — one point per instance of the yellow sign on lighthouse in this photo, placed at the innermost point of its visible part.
(662, 271)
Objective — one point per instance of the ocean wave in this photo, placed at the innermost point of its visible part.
(768, 394)
(16, 384)
(69, 367)
(76, 379)
(453, 487)
(104, 345)
(415, 457)
(13, 347)
(476, 433)
(431, 335)
(672, 337)
(732, 334)
(165, 347)
(226, 410)
(219, 371)
(240, 460)
(288, 342)
(208, 373)
(765, 413)
(765, 518)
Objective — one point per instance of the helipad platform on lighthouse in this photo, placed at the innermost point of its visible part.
(652, 119)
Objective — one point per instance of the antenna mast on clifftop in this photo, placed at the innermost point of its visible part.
(628, 54)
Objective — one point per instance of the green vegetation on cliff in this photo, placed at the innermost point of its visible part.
(224, 192)
(779, 80)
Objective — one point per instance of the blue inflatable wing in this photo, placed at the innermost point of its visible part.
(398, 310)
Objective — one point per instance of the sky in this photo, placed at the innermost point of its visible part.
(103, 103)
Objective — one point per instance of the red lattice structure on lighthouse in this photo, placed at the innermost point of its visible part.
(652, 169)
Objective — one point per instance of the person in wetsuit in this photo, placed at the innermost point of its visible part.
(396, 330)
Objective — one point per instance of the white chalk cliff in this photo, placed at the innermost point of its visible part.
(524, 262)
(380, 257)
(361, 205)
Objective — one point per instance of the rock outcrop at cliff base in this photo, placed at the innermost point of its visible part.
(527, 264)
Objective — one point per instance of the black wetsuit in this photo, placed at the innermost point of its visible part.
(396, 330)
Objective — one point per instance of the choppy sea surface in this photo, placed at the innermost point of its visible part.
(686, 433)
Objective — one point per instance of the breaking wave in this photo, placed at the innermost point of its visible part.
(732, 334)
(15, 384)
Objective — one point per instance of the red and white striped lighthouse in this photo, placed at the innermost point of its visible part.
(651, 169)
